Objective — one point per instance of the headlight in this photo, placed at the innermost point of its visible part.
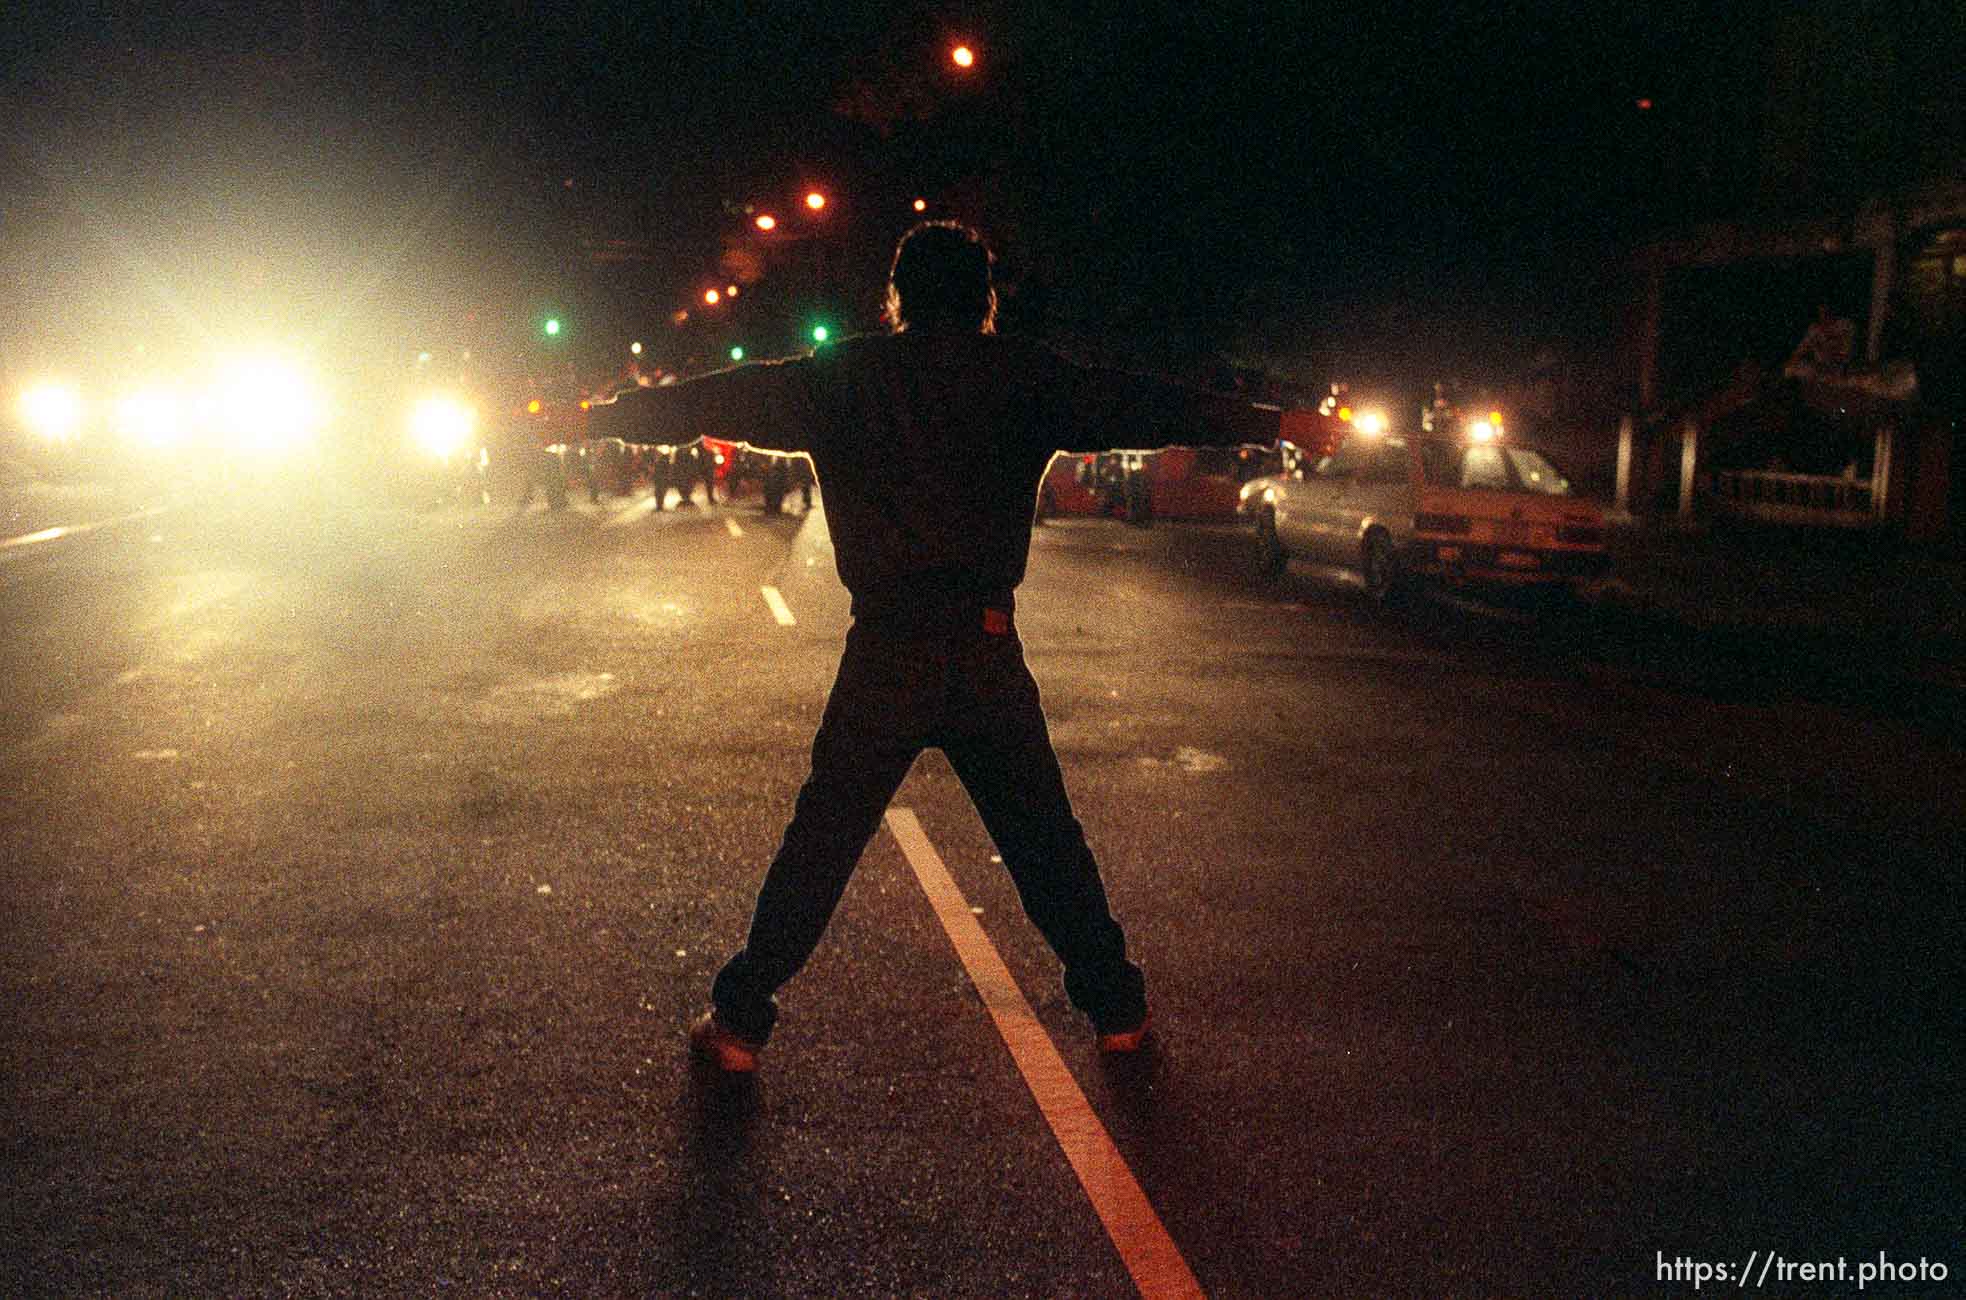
(153, 418)
(267, 405)
(53, 411)
(442, 426)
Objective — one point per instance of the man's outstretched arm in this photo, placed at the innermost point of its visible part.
(1110, 410)
(1205, 419)
(763, 404)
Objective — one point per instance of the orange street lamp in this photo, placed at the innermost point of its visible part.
(921, 205)
(963, 57)
(711, 297)
(815, 200)
(766, 221)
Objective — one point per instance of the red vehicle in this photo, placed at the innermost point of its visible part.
(1313, 433)
(1201, 483)
(1069, 486)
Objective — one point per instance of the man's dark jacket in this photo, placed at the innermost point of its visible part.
(929, 446)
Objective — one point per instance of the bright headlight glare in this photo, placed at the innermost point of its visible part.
(442, 425)
(151, 417)
(53, 411)
(267, 405)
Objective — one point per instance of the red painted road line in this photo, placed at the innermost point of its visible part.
(1149, 1253)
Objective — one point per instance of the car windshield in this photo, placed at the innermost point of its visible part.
(1536, 474)
(1373, 457)
(1470, 465)
(1488, 465)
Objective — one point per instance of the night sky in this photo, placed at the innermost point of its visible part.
(1295, 187)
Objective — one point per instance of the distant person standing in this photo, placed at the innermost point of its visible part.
(929, 443)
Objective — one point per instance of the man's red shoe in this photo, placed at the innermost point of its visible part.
(1124, 1042)
(722, 1046)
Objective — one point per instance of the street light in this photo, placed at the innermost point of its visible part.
(815, 200)
(963, 57)
(711, 297)
(766, 221)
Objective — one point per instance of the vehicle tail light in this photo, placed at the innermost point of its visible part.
(1439, 523)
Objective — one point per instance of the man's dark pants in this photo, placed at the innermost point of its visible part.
(963, 689)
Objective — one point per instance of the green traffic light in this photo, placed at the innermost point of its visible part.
(737, 354)
(820, 334)
(553, 327)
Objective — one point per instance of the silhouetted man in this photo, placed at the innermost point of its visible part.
(929, 443)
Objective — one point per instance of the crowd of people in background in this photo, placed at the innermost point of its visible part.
(538, 449)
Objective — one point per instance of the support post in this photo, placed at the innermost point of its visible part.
(1878, 229)
(1622, 502)
(1880, 474)
(1689, 459)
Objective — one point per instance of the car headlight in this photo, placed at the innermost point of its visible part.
(267, 405)
(442, 426)
(152, 417)
(52, 411)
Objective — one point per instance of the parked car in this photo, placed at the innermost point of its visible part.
(1174, 483)
(1398, 510)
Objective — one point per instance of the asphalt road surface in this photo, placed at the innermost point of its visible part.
(363, 867)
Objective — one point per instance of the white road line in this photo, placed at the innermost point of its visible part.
(71, 530)
(1149, 1253)
(45, 535)
(731, 524)
(779, 609)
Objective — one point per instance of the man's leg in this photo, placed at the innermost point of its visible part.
(1003, 756)
(867, 741)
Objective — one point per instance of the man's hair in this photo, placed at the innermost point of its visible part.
(941, 276)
